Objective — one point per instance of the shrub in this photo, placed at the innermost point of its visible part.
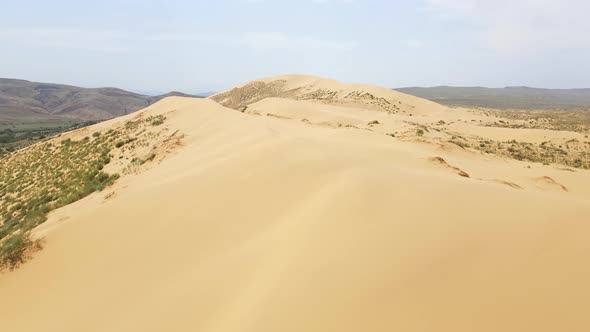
(156, 120)
(460, 144)
(16, 249)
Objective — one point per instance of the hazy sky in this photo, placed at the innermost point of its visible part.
(196, 46)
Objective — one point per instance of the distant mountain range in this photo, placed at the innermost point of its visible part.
(505, 98)
(24, 102)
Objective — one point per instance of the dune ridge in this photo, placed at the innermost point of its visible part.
(301, 87)
(348, 221)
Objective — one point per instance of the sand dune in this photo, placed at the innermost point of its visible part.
(300, 87)
(271, 223)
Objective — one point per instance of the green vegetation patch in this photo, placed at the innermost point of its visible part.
(43, 178)
(54, 173)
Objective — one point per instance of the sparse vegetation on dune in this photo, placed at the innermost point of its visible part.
(572, 153)
(239, 98)
(55, 173)
(43, 178)
(569, 120)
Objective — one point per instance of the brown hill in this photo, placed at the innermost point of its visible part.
(25, 102)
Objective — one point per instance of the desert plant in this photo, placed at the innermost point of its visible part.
(16, 249)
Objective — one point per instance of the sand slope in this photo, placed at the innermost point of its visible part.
(266, 223)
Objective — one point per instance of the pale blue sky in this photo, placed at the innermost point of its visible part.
(197, 46)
